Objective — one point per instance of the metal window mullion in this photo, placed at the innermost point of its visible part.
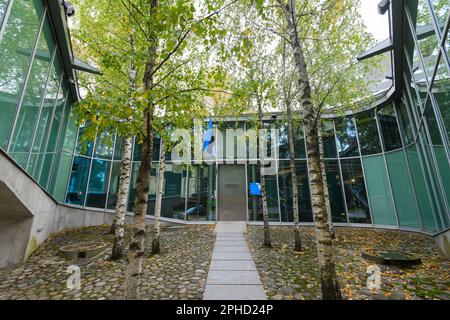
(89, 170)
(41, 105)
(110, 171)
(4, 21)
(363, 171)
(340, 172)
(27, 76)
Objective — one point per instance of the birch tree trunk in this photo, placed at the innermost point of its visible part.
(122, 196)
(325, 183)
(296, 214)
(136, 249)
(117, 227)
(328, 277)
(267, 241)
(159, 193)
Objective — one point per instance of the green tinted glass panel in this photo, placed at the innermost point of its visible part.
(285, 185)
(346, 137)
(34, 96)
(441, 93)
(70, 134)
(77, 184)
(420, 187)
(441, 11)
(355, 191)
(98, 183)
(369, 140)
(380, 197)
(104, 145)
(15, 52)
(60, 175)
(444, 170)
(403, 191)
(254, 202)
(299, 142)
(174, 196)
(335, 191)
(114, 185)
(389, 128)
(406, 123)
(329, 141)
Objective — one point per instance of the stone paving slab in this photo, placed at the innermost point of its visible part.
(233, 277)
(234, 292)
(232, 274)
(218, 265)
(222, 243)
(230, 227)
(226, 256)
(231, 249)
(234, 238)
(229, 234)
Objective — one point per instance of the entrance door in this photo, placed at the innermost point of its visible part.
(232, 193)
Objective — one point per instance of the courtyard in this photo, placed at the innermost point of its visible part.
(180, 270)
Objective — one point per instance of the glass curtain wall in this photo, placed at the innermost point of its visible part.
(34, 96)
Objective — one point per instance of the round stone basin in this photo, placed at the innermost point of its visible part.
(390, 257)
(82, 250)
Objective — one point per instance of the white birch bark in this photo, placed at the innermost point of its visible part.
(122, 196)
(159, 194)
(328, 277)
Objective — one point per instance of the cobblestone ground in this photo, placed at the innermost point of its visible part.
(179, 272)
(290, 275)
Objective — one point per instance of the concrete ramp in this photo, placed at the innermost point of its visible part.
(28, 214)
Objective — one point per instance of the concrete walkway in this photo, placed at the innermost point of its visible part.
(232, 272)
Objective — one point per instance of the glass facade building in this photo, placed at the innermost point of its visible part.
(387, 165)
(35, 94)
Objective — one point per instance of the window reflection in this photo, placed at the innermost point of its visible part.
(347, 145)
(355, 191)
(78, 179)
(335, 191)
(15, 51)
(329, 142)
(369, 139)
(98, 183)
(304, 197)
(254, 202)
(389, 128)
(201, 195)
